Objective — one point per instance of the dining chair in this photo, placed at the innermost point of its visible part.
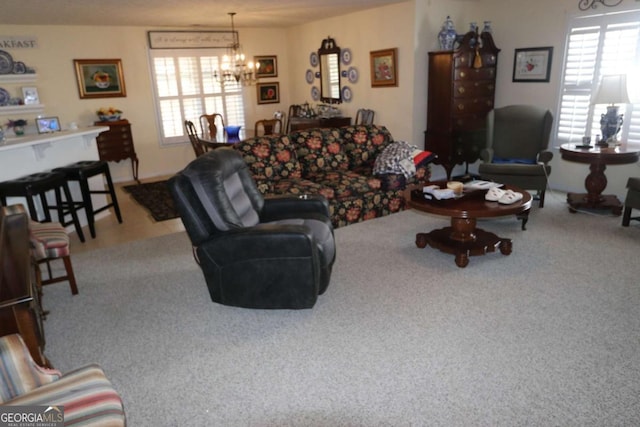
(295, 110)
(268, 127)
(210, 123)
(199, 148)
(364, 116)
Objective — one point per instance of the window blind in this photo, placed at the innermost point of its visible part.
(185, 88)
(597, 46)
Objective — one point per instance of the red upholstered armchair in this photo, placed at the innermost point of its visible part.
(86, 395)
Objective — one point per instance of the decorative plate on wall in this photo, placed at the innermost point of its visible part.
(352, 73)
(315, 93)
(313, 59)
(19, 67)
(346, 56)
(309, 76)
(6, 62)
(4, 97)
(346, 93)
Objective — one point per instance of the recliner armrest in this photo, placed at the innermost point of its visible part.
(287, 206)
(545, 156)
(486, 154)
(261, 241)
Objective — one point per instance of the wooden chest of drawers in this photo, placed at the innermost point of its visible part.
(116, 144)
(461, 92)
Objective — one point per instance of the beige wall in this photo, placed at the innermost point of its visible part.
(411, 27)
(362, 32)
(57, 88)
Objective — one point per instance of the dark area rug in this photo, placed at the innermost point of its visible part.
(155, 197)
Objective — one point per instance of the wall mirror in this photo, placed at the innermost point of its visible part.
(329, 54)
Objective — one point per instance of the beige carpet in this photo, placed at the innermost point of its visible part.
(545, 336)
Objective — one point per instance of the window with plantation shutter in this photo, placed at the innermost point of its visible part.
(185, 88)
(596, 46)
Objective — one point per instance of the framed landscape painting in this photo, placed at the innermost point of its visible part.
(100, 78)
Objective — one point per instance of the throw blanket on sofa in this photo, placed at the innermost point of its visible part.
(400, 158)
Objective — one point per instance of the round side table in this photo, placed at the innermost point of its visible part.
(598, 158)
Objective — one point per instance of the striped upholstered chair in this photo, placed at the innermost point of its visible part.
(49, 241)
(85, 395)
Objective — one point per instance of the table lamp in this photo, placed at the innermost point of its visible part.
(612, 90)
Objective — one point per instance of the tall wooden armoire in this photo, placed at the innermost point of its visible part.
(462, 86)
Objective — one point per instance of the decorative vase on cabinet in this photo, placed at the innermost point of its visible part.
(447, 36)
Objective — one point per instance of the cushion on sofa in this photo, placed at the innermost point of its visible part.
(270, 157)
(299, 186)
(346, 183)
(363, 144)
(320, 150)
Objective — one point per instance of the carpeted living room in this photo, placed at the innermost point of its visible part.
(402, 336)
(514, 304)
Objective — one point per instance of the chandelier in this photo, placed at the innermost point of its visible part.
(234, 68)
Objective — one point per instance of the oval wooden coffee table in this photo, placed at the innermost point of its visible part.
(462, 238)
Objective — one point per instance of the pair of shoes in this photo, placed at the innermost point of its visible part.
(505, 197)
(510, 197)
(494, 194)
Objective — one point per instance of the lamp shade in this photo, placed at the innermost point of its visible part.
(612, 90)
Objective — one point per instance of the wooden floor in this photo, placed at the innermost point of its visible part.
(137, 224)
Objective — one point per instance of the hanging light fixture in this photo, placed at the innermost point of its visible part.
(234, 67)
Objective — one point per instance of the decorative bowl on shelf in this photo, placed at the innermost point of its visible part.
(109, 118)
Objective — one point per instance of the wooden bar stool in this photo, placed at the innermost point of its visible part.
(38, 185)
(81, 172)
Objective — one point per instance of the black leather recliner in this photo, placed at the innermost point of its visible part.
(274, 253)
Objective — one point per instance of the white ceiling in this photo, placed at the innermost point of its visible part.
(178, 13)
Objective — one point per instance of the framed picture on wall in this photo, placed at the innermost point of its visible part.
(384, 67)
(100, 78)
(268, 93)
(267, 66)
(532, 64)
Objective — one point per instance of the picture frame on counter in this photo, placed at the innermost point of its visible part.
(100, 78)
(48, 124)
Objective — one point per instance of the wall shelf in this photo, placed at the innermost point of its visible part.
(18, 78)
(22, 109)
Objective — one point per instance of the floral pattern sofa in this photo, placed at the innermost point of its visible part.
(336, 163)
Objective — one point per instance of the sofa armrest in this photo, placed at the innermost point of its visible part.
(287, 206)
(545, 156)
(19, 373)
